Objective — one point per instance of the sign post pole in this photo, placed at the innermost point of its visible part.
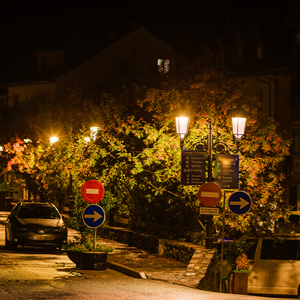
(95, 239)
(93, 216)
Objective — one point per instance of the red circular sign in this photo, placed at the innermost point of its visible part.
(209, 194)
(92, 191)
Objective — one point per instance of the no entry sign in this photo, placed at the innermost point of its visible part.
(209, 194)
(92, 191)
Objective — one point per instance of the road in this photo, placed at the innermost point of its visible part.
(42, 274)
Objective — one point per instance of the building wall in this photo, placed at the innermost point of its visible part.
(134, 55)
(19, 93)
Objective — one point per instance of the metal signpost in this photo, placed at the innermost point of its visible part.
(93, 216)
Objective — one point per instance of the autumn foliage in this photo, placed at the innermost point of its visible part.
(137, 154)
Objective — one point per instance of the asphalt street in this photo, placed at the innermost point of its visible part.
(132, 274)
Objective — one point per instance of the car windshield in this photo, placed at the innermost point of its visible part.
(37, 212)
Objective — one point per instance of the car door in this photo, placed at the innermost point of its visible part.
(277, 269)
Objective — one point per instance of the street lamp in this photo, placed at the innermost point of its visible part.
(53, 140)
(94, 130)
(238, 129)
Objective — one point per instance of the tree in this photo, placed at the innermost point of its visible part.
(141, 161)
(137, 153)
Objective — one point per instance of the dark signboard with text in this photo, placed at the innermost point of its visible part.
(227, 171)
(192, 167)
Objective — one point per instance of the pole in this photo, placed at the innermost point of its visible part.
(95, 240)
(222, 242)
(209, 237)
(71, 198)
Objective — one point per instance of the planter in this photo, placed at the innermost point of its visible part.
(89, 260)
(238, 283)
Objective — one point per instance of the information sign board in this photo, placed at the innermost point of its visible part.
(192, 167)
(227, 171)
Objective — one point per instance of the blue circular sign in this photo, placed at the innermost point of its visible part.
(93, 216)
(240, 202)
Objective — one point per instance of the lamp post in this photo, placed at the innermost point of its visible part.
(53, 140)
(238, 128)
(94, 130)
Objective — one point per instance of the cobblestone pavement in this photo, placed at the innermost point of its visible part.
(154, 266)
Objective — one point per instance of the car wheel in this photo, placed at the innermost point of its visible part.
(12, 245)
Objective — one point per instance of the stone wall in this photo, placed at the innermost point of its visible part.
(202, 271)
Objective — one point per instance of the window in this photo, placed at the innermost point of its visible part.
(43, 62)
(293, 198)
(296, 141)
(280, 250)
(163, 65)
(60, 60)
(251, 248)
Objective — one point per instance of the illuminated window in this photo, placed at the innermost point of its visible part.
(163, 65)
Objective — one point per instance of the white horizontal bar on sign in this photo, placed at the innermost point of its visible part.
(92, 191)
(210, 194)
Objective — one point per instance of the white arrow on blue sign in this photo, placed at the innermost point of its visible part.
(240, 202)
(93, 216)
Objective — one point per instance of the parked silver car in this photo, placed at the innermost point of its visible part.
(35, 224)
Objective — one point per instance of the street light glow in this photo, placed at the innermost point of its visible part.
(182, 126)
(53, 140)
(238, 127)
(94, 130)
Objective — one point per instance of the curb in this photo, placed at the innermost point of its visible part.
(126, 270)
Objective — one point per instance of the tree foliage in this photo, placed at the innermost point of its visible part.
(137, 153)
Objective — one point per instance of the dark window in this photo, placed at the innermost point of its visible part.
(37, 213)
(280, 249)
(293, 196)
(296, 141)
(43, 62)
(60, 60)
(251, 248)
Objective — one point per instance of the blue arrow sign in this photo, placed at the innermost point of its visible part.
(93, 216)
(239, 202)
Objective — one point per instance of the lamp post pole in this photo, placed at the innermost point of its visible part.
(238, 128)
(209, 237)
(71, 198)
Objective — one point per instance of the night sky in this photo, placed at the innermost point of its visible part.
(31, 26)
